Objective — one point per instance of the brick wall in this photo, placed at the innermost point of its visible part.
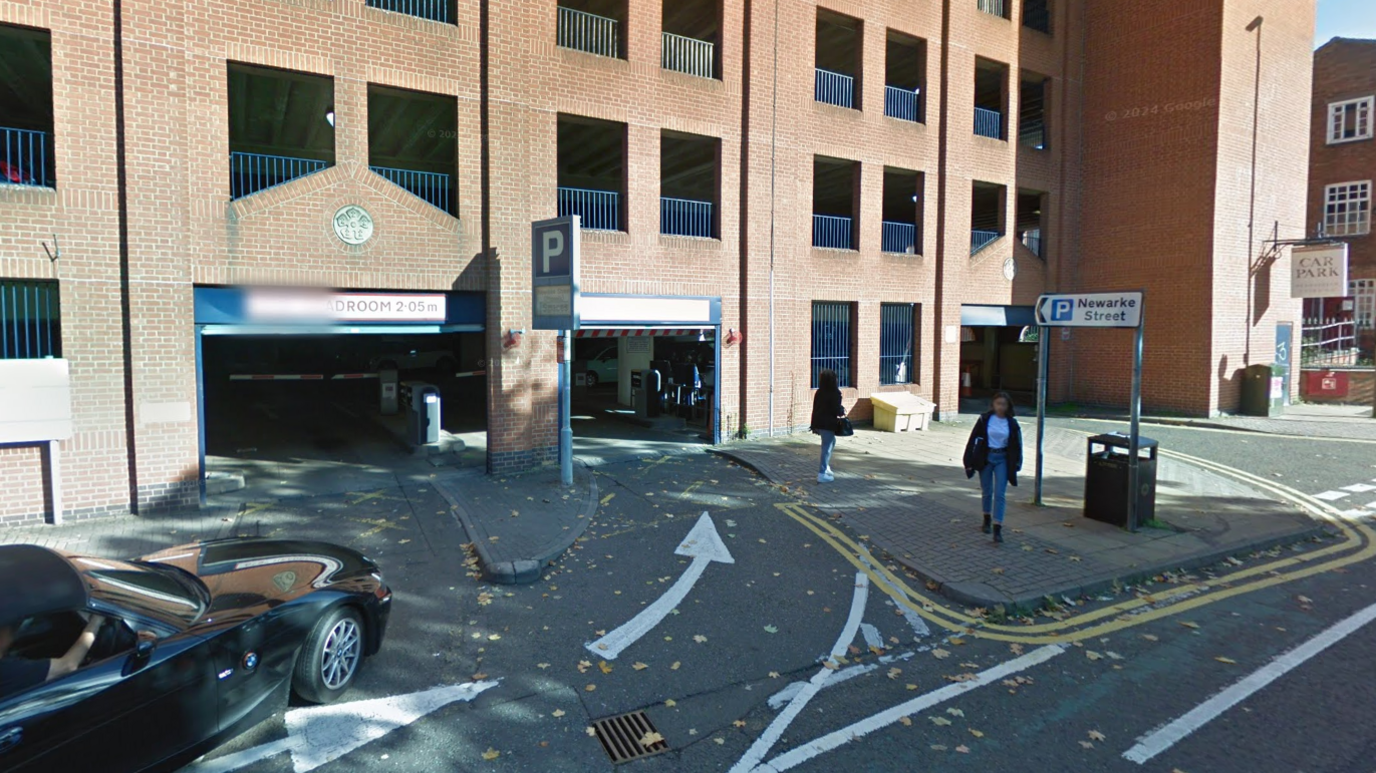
(1344, 69)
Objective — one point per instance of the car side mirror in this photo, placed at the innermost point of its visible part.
(146, 644)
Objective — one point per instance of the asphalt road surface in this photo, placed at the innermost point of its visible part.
(804, 653)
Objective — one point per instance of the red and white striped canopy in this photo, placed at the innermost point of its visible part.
(635, 332)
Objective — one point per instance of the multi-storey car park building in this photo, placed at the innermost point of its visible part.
(766, 188)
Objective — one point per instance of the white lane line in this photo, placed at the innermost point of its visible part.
(1160, 740)
(915, 621)
(1360, 488)
(771, 734)
(704, 546)
(778, 699)
(1356, 515)
(1332, 496)
(887, 717)
(872, 637)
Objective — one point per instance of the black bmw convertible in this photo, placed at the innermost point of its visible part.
(144, 665)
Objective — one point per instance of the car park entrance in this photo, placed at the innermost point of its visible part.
(306, 381)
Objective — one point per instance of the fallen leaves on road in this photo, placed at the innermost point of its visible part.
(591, 731)
(940, 654)
(494, 637)
(894, 672)
(1229, 661)
(675, 666)
(739, 723)
(720, 741)
(542, 666)
(1150, 637)
(671, 703)
(491, 754)
(1087, 744)
(604, 666)
(959, 678)
(557, 713)
(940, 721)
(1028, 548)
(583, 666)
(936, 747)
(770, 629)
(1097, 736)
(590, 688)
(957, 641)
(1092, 655)
(638, 666)
(1113, 655)
(484, 599)
(650, 739)
(976, 733)
(699, 638)
(998, 570)
(912, 687)
(1016, 649)
(1188, 624)
(969, 665)
(955, 712)
(963, 749)
(773, 674)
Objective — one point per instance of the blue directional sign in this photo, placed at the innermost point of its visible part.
(554, 252)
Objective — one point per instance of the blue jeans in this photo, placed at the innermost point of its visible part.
(993, 484)
(828, 445)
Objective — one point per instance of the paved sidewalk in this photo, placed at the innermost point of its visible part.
(518, 523)
(907, 495)
(1348, 422)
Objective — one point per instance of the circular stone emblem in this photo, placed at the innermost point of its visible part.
(353, 225)
(1010, 269)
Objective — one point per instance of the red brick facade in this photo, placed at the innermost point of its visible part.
(1160, 198)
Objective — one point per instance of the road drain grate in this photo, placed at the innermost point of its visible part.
(623, 737)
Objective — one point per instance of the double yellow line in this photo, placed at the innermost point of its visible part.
(1357, 543)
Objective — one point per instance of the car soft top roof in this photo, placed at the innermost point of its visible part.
(36, 581)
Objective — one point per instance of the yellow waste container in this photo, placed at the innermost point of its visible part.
(901, 411)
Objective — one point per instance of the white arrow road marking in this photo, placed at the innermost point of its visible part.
(704, 545)
(1154, 743)
(321, 734)
(771, 734)
(885, 718)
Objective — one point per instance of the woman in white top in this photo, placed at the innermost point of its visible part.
(995, 452)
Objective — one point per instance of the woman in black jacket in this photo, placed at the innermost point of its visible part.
(995, 452)
(827, 411)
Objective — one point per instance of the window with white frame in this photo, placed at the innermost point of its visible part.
(1364, 310)
(1350, 120)
(1347, 209)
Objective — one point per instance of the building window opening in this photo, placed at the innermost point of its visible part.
(897, 343)
(443, 11)
(905, 76)
(997, 8)
(692, 37)
(832, 341)
(1350, 120)
(281, 127)
(592, 172)
(1347, 209)
(1033, 93)
(413, 142)
(1030, 220)
(593, 27)
(30, 320)
(838, 60)
(26, 91)
(991, 95)
(835, 203)
(1036, 15)
(689, 185)
(902, 223)
(986, 215)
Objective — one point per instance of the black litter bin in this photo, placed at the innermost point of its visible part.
(1106, 480)
(1258, 396)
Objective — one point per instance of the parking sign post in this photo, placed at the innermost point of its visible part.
(1102, 310)
(554, 254)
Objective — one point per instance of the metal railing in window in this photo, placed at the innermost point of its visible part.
(430, 187)
(896, 343)
(992, 7)
(685, 217)
(831, 339)
(831, 232)
(30, 324)
(24, 157)
(1032, 240)
(981, 239)
(899, 237)
(689, 55)
(903, 104)
(588, 32)
(598, 210)
(433, 10)
(250, 173)
(1329, 342)
(1032, 134)
(834, 88)
(988, 123)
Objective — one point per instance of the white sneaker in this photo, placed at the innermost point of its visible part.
(825, 477)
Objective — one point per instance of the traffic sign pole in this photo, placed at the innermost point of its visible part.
(1043, 369)
(566, 410)
(1134, 422)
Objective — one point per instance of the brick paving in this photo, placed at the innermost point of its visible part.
(907, 495)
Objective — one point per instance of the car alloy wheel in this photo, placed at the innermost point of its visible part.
(592, 378)
(339, 658)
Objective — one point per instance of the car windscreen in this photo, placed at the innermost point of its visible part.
(158, 591)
